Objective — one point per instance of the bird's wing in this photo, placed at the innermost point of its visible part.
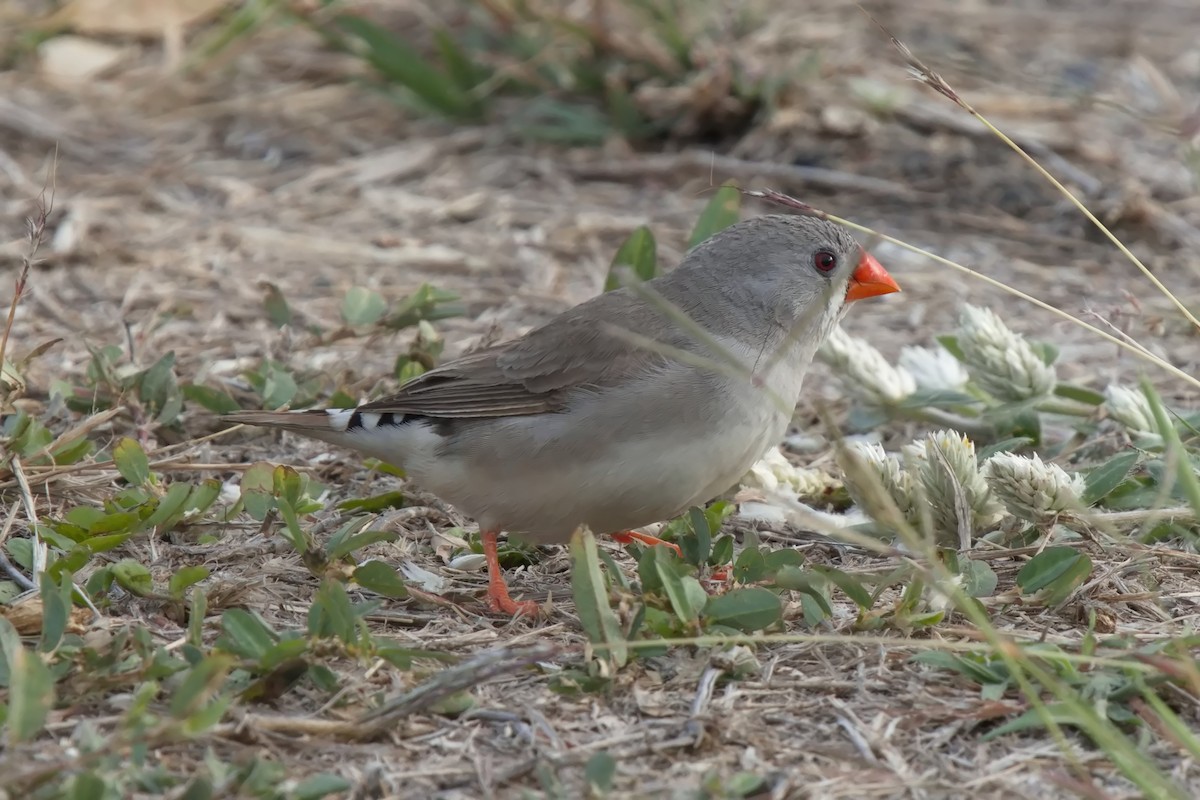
(536, 373)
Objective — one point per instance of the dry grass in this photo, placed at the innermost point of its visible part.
(176, 197)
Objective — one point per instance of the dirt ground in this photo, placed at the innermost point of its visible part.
(176, 196)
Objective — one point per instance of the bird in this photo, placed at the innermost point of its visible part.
(627, 409)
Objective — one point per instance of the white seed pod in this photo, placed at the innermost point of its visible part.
(864, 371)
(934, 370)
(886, 470)
(1130, 408)
(1000, 360)
(774, 472)
(958, 496)
(938, 595)
(1031, 489)
(469, 562)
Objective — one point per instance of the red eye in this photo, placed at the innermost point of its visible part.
(825, 261)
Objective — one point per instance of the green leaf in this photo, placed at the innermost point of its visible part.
(1003, 446)
(56, 609)
(71, 452)
(1055, 573)
(214, 400)
(29, 706)
(1102, 480)
(87, 786)
(950, 342)
(979, 579)
(8, 591)
(274, 383)
(703, 534)
(10, 643)
(374, 504)
(599, 772)
(281, 676)
(1033, 719)
(811, 585)
(245, 634)
(331, 613)
(750, 566)
(203, 495)
(170, 509)
(197, 686)
(682, 596)
(185, 578)
(848, 584)
(198, 788)
(427, 303)
(722, 552)
(639, 254)
(398, 63)
(1187, 472)
(319, 786)
(197, 610)
(615, 575)
(462, 69)
(382, 578)
(275, 305)
(362, 306)
(1047, 351)
(943, 398)
(133, 577)
(338, 548)
(776, 560)
(131, 461)
(258, 489)
(723, 210)
(591, 598)
(749, 609)
(969, 667)
(454, 704)
(1079, 394)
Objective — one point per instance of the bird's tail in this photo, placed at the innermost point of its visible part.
(386, 436)
(329, 425)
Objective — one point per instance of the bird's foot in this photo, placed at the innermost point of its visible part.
(502, 603)
(628, 537)
(499, 599)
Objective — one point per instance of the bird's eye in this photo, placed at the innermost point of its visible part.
(825, 261)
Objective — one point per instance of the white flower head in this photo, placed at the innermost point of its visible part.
(934, 369)
(1130, 408)
(864, 371)
(1001, 361)
(1031, 489)
(961, 505)
(884, 470)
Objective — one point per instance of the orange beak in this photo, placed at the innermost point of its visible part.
(870, 279)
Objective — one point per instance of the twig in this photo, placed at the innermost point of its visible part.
(35, 230)
(483, 667)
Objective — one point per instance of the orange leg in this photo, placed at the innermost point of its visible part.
(625, 537)
(498, 597)
(628, 537)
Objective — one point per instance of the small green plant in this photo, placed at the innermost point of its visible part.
(554, 73)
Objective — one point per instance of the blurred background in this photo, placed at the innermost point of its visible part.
(502, 150)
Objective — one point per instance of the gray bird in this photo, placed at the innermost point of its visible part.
(628, 408)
